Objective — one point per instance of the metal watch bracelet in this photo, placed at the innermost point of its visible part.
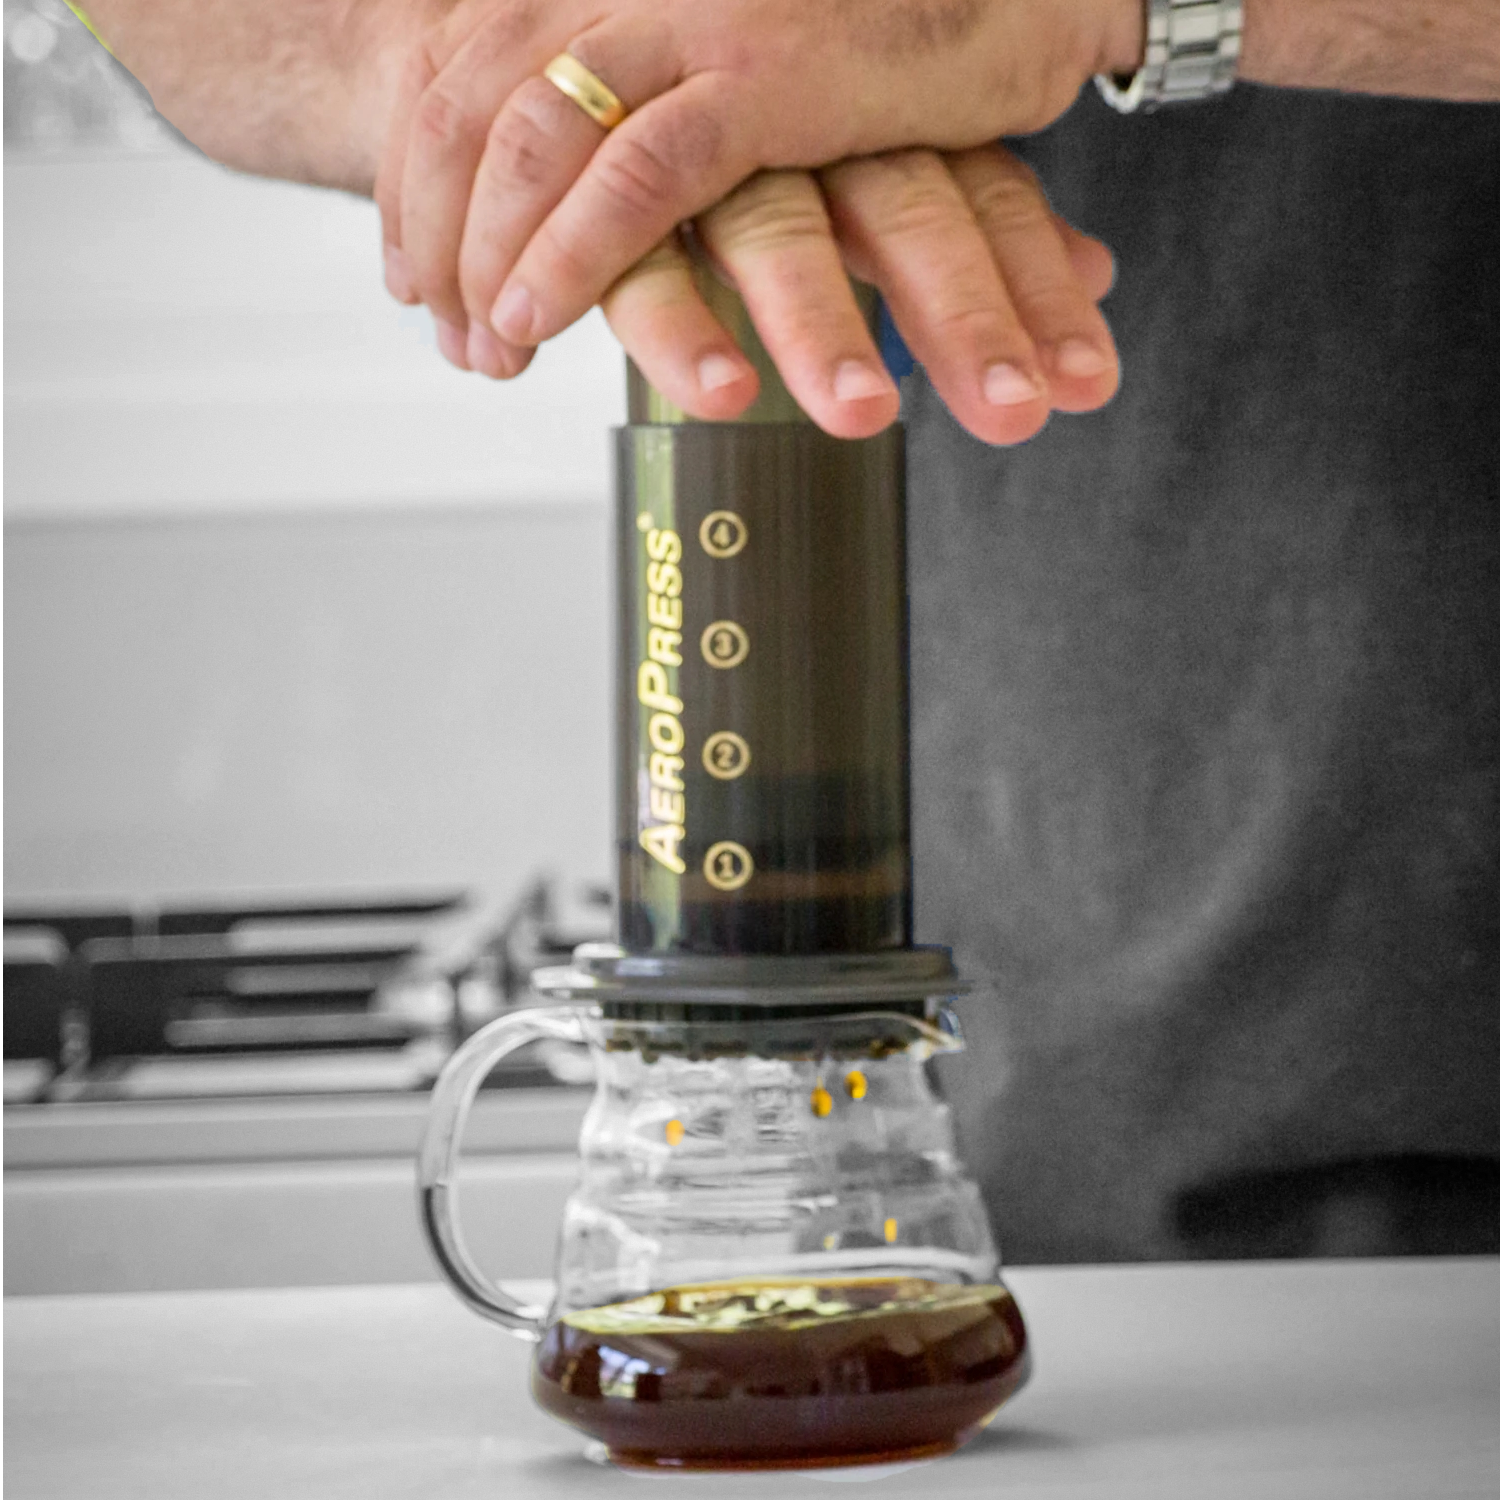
(1192, 50)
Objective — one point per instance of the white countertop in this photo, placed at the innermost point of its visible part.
(1272, 1380)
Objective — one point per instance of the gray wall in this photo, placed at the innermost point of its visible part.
(303, 700)
(289, 603)
(182, 339)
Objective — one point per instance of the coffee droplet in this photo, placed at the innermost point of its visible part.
(856, 1084)
(890, 1231)
(822, 1102)
(675, 1132)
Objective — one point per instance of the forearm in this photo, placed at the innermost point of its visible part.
(1433, 49)
(284, 88)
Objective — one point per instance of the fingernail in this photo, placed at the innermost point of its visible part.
(397, 275)
(485, 352)
(853, 381)
(514, 314)
(1008, 385)
(453, 341)
(717, 370)
(1079, 357)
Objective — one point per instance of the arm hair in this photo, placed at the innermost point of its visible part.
(303, 89)
(294, 90)
(1426, 49)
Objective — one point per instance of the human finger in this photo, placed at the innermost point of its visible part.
(538, 143)
(487, 354)
(1092, 260)
(435, 45)
(446, 136)
(669, 161)
(774, 238)
(905, 225)
(418, 71)
(1071, 336)
(658, 314)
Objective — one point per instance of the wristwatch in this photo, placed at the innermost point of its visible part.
(1192, 48)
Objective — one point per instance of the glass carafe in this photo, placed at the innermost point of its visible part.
(773, 1256)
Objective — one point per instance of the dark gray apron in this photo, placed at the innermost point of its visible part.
(1206, 702)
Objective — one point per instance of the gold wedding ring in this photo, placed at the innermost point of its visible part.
(592, 95)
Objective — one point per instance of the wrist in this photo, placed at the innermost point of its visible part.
(1192, 50)
(1122, 38)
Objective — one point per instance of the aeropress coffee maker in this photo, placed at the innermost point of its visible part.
(773, 1257)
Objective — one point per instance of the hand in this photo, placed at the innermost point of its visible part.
(993, 293)
(502, 203)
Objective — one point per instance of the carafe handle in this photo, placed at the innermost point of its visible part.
(437, 1162)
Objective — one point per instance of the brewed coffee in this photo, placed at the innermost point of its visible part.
(784, 1373)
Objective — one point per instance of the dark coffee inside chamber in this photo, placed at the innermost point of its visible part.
(762, 798)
